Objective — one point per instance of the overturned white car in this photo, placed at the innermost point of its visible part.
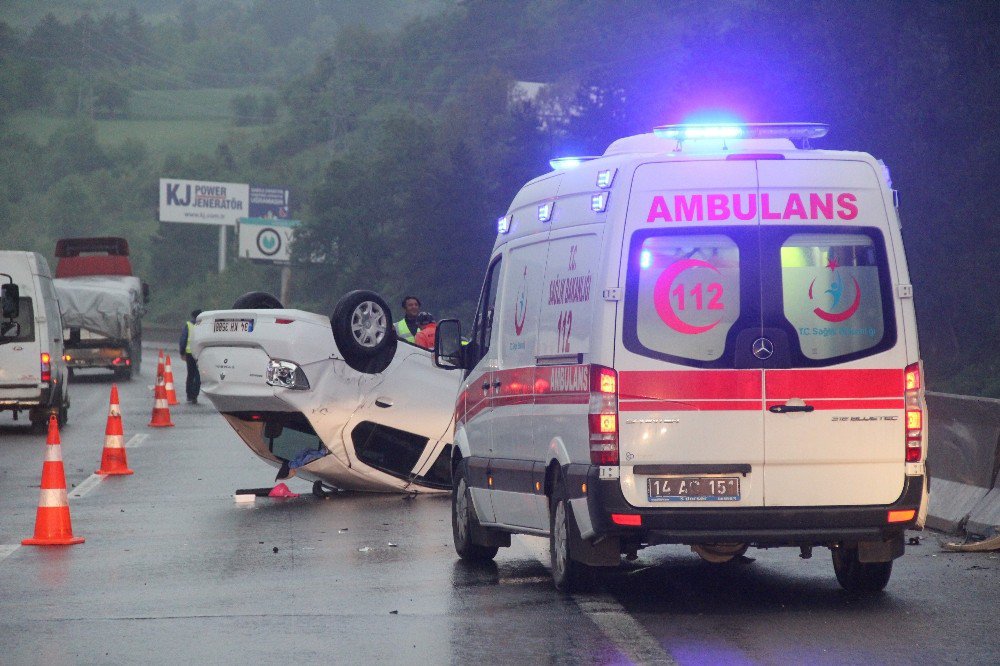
(339, 399)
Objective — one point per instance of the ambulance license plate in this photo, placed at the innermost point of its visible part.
(233, 326)
(693, 488)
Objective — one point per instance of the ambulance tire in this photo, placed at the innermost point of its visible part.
(257, 300)
(362, 329)
(569, 575)
(464, 522)
(857, 576)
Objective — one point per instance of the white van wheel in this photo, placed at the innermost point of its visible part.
(464, 521)
(362, 329)
(857, 576)
(568, 574)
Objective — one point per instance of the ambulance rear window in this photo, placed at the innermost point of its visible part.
(688, 294)
(715, 297)
(831, 293)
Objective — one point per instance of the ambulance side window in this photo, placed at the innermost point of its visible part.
(482, 328)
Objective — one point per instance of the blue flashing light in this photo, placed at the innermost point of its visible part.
(503, 224)
(545, 211)
(605, 178)
(743, 131)
(645, 259)
(570, 162)
(599, 202)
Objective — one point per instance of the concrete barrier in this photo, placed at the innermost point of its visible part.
(964, 463)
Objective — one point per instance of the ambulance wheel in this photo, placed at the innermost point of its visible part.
(857, 576)
(362, 329)
(257, 300)
(464, 521)
(569, 575)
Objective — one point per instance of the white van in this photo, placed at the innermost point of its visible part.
(705, 336)
(32, 367)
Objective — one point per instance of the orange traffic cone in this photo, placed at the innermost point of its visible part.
(114, 460)
(159, 367)
(161, 413)
(168, 382)
(52, 523)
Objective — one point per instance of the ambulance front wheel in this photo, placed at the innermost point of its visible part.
(464, 522)
(857, 576)
(362, 329)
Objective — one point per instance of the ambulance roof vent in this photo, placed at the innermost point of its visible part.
(570, 162)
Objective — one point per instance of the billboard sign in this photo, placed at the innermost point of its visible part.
(203, 202)
(268, 202)
(265, 239)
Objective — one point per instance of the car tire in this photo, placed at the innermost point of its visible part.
(464, 521)
(362, 329)
(857, 576)
(569, 575)
(123, 374)
(257, 300)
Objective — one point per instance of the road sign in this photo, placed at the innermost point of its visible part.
(264, 239)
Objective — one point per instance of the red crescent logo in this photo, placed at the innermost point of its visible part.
(661, 296)
(519, 325)
(846, 314)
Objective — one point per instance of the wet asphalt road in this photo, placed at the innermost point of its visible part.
(173, 571)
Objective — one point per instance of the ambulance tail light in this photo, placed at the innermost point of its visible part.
(913, 397)
(46, 367)
(603, 416)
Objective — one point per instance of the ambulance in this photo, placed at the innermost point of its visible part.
(705, 336)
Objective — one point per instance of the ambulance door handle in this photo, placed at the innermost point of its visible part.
(785, 409)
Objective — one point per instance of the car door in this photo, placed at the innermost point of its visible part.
(834, 420)
(690, 384)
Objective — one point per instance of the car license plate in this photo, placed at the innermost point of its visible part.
(233, 326)
(693, 488)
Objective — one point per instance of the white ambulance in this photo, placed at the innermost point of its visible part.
(705, 336)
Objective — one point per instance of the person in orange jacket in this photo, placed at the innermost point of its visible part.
(425, 330)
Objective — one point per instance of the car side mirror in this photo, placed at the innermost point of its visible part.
(448, 350)
(10, 303)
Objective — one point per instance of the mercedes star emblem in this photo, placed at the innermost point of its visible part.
(763, 348)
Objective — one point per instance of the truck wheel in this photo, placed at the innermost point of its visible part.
(568, 574)
(39, 420)
(362, 329)
(464, 521)
(257, 300)
(859, 577)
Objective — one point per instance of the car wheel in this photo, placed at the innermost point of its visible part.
(123, 374)
(857, 576)
(464, 521)
(362, 329)
(569, 575)
(257, 300)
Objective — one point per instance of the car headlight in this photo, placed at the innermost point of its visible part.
(286, 374)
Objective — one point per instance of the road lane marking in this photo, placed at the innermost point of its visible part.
(8, 550)
(623, 630)
(87, 485)
(94, 480)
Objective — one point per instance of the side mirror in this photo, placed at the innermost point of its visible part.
(448, 350)
(10, 302)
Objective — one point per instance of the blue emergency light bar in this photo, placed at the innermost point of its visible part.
(742, 131)
(570, 162)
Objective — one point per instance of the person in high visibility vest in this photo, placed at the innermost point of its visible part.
(193, 384)
(407, 327)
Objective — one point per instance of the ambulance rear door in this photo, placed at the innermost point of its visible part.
(691, 427)
(834, 419)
